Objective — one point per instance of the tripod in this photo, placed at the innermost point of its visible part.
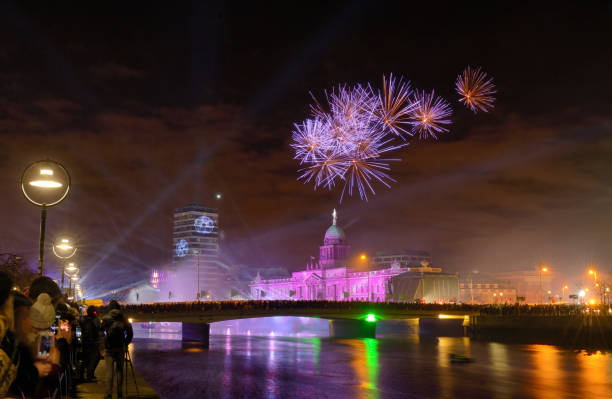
(128, 360)
(116, 367)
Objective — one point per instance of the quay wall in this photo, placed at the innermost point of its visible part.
(575, 330)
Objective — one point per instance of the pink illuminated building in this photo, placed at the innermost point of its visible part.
(329, 278)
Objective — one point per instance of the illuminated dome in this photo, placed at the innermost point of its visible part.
(334, 235)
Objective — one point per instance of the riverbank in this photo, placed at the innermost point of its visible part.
(136, 388)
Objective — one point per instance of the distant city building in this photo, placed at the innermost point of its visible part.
(486, 293)
(195, 270)
(331, 278)
(527, 283)
(405, 258)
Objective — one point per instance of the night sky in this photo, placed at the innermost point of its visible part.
(154, 108)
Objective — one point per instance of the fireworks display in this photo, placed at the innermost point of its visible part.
(476, 89)
(430, 116)
(346, 139)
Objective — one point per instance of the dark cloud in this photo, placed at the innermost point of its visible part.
(180, 104)
(115, 71)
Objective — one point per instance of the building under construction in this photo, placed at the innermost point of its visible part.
(428, 287)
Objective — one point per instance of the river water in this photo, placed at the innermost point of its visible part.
(405, 365)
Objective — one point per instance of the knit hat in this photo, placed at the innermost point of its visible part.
(42, 312)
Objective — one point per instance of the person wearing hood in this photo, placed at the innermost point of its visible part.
(118, 334)
(90, 328)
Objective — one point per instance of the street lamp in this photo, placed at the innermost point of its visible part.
(472, 284)
(197, 253)
(563, 291)
(44, 183)
(543, 269)
(581, 294)
(63, 249)
(72, 271)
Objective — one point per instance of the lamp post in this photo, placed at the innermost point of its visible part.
(563, 288)
(593, 273)
(543, 269)
(63, 249)
(71, 271)
(472, 285)
(74, 278)
(44, 183)
(197, 253)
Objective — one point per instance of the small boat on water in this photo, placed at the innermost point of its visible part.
(457, 358)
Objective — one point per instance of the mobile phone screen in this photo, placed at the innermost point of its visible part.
(78, 332)
(45, 345)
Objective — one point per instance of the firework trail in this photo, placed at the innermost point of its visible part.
(430, 116)
(395, 105)
(476, 89)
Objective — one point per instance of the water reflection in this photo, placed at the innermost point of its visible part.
(227, 368)
(399, 367)
(271, 372)
(500, 369)
(365, 365)
(547, 375)
(595, 371)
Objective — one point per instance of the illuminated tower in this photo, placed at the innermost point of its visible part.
(334, 251)
(195, 241)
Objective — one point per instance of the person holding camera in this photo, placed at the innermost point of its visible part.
(118, 334)
(38, 371)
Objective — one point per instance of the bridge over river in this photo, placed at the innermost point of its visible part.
(358, 319)
(346, 319)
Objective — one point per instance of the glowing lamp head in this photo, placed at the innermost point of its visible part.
(591, 301)
(544, 269)
(591, 272)
(581, 294)
(371, 317)
(219, 196)
(362, 257)
(45, 183)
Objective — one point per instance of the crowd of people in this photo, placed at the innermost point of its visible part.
(354, 306)
(48, 345)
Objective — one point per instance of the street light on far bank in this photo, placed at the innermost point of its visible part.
(543, 269)
(44, 183)
(363, 257)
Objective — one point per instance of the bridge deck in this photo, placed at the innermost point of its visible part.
(210, 312)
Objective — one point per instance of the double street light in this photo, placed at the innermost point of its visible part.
(64, 249)
(44, 183)
(72, 271)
